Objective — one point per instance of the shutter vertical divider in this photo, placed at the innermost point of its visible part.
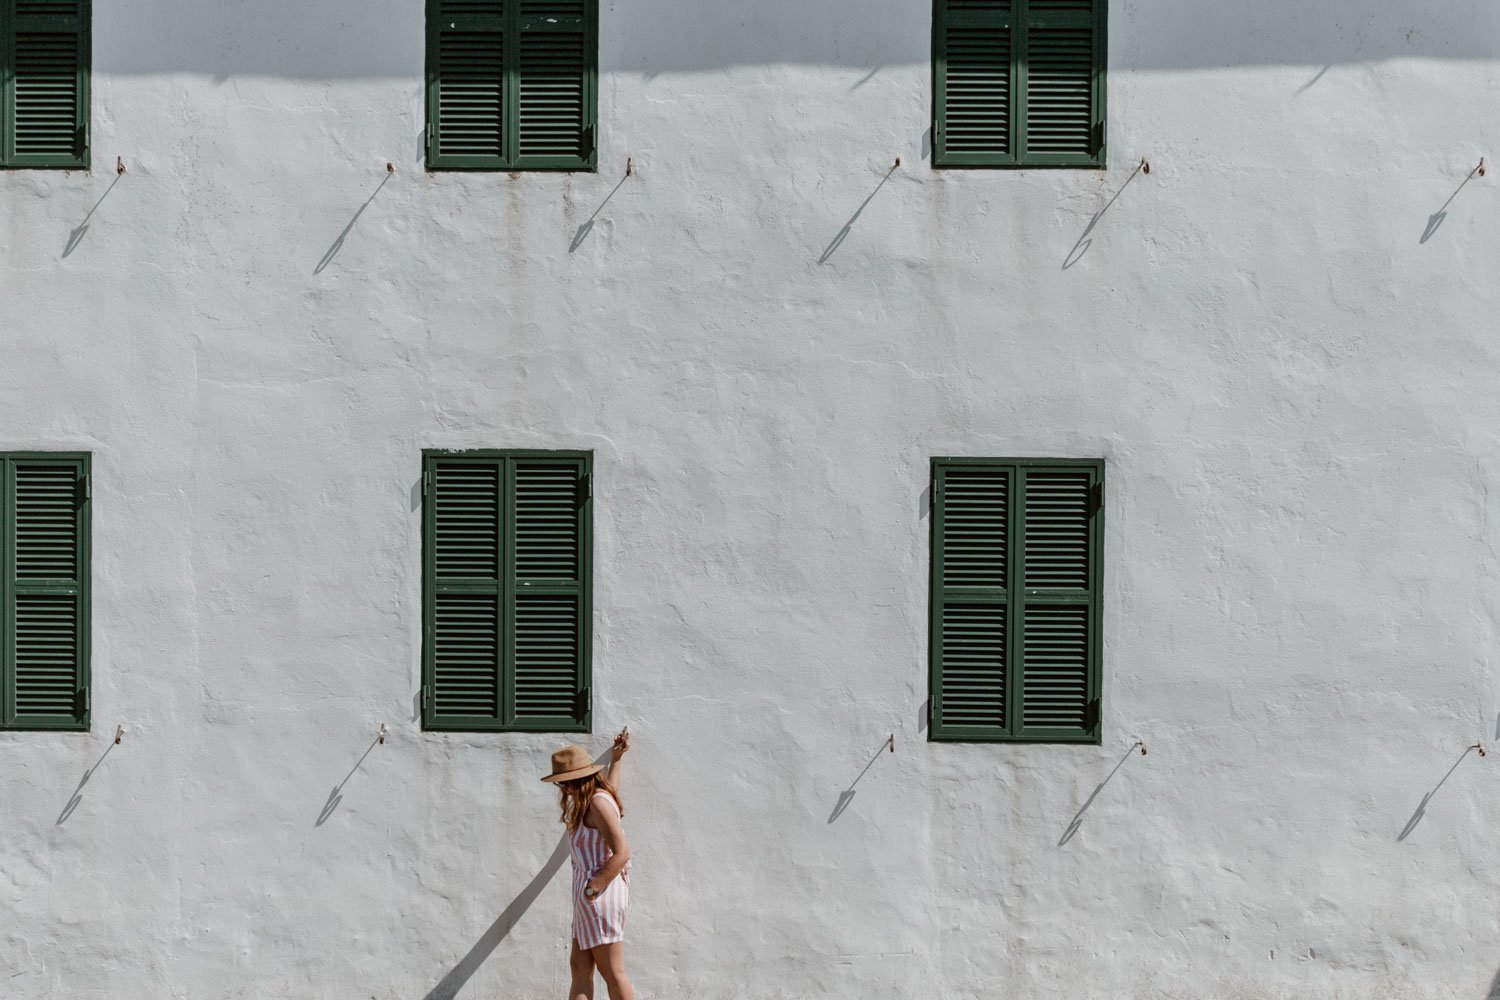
(7, 82)
(511, 84)
(7, 590)
(1021, 78)
(1015, 552)
(508, 586)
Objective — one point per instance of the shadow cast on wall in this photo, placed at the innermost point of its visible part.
(314, 39)
(843, 234)
(461, 973)
(338, 243)
(76, 798)
(1421, 812)
(75, 238)
(337, 795)
(1437, 218)
(1085, 240)
(847, 795)
(1076, 823)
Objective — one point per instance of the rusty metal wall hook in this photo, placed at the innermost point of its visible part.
(381, 737)
(1140, 746)
(119, 734)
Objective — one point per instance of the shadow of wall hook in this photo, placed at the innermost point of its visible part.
(119, 166)
(119, 734)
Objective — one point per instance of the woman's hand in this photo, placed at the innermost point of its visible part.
(594, 887)
(622, 743)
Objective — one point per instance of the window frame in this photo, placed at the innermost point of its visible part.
(512, 161)
(9, 158)
(84, 462)
(1093, 734)
(1021, 20)
(470, 724)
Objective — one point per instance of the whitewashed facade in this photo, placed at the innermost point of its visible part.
(1281, 341)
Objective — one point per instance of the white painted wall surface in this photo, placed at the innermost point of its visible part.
(1299, 403)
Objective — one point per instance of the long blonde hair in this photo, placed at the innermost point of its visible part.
(578, 793)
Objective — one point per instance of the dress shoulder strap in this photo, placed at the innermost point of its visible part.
(609, 800)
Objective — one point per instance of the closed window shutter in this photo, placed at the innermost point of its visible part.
(1016, 562)
(45, 91)
(975, 86)
(46, 592)
(512, 84)
(1059, 561)
(507, 591)
(549, 600)
(1018, 83)
(1063, 82)
(555, 121)
(467, 91)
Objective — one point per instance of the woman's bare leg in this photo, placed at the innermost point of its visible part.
(581, 967)
(610, 959)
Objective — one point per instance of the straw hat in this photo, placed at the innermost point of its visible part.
(572, 762)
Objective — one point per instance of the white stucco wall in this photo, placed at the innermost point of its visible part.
(1298, 401)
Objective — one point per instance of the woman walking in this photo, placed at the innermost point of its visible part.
(591, 811)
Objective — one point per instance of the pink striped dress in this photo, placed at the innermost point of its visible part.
(600, 920)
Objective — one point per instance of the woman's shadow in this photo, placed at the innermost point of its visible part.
(461, 973)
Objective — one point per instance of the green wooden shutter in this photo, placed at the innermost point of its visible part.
(512, 84)
(44, 102)
(1016, 564)
(974, 82)
(1059, 601)
(550, 604)
(507, 591)
(1019, 83)
(46, 591)
(467, 88)
(971, 599)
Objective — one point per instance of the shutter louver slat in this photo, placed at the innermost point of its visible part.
(46, 93)
(547, 653)
(1057, 529)
(1054, 674)
(46, 522)
(973, 658)
(553, 8)
(470, 98)
(979, 6)
(547, 521)
(471, 8)
(553, 115)
(1058, 6)
(977, 90)
(467, 655)
(466, 518)
(1059, 91)
(46, 655)
(976, 511)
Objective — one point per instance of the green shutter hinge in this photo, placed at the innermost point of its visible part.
(88, 487)
(426, 481)
(425, 697)
(586, 485)
(87, 699)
